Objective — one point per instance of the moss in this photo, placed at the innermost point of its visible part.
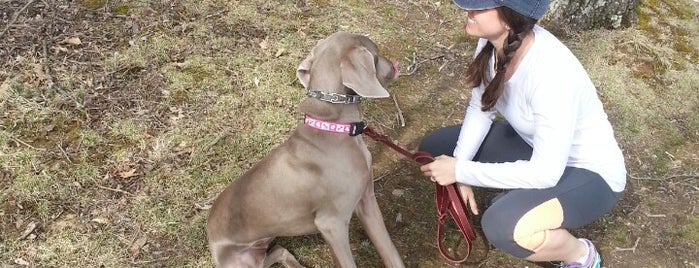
(122, 10)
(94, 4)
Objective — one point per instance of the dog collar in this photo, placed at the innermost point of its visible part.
(352, 129)
(334, 97)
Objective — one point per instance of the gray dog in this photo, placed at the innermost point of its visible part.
(314, 180)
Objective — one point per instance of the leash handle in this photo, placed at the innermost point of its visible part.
(449, 200)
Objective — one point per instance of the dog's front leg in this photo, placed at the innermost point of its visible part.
(370, 216)
(280, 254)
(335, 231)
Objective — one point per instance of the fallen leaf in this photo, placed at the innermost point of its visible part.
(136, 247)
(20, 261)
(74, 41)
(100, 220)
(264, 44)
(280, 52)
(30, 228)
(127, 174)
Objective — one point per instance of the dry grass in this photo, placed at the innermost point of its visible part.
(121, 120)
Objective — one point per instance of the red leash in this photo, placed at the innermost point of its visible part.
(449, 200)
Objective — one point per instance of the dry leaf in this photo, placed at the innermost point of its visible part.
(74, 41)
(264, 44)
(127, 174)
(20, 261)
(100, 220)
(280, 52)
(136, 247)
(30, 228)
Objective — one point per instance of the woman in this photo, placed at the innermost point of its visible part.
(555, 152)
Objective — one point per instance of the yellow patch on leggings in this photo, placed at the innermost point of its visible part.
(531, 231)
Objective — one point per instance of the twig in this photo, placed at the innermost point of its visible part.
(412, 68)
(687, 176)
(642, 179)
(115, 190)
(401, 119)
(151, 261)
(654, 215)
(14, 18)
(632, 249)
(46, 66)
(64, 152)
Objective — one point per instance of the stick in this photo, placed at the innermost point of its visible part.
(115, 190)
(60, 147)
(654, 215)
(401, 120)
(14, 18)
(632, 249)
(24, 143)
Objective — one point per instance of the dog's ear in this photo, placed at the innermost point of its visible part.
(303, 72)
(359, 74)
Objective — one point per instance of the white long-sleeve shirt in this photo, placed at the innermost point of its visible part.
(553, 105)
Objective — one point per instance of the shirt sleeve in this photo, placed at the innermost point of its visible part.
(474, 128)
(554, 118)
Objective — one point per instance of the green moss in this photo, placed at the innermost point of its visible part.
(122, 9)
(94, 4)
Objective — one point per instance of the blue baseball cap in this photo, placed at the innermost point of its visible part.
(534, 9)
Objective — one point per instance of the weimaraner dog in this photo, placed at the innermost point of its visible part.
(314, 180)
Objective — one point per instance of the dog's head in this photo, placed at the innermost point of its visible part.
(345, 61)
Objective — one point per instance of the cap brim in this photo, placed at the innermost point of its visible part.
(477, 4)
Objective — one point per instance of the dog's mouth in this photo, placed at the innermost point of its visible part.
(395, 68)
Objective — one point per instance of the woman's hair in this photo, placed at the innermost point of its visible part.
(477, 72)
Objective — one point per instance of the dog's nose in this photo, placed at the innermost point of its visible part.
(396, 69)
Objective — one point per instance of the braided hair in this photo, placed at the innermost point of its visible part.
(477, 72)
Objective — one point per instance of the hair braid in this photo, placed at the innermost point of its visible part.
(478, 71)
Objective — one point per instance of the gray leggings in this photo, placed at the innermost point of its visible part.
(583, 195)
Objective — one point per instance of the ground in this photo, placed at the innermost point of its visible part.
(121, 121)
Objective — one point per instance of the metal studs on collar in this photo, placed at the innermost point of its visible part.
(335, 98)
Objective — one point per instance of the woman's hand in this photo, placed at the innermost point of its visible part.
(468, 197)
(443, 171)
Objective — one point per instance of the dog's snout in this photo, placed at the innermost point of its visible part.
(396, 69)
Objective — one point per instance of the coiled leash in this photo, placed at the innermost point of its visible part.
(449, 200)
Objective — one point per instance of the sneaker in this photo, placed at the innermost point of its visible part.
(593, 259)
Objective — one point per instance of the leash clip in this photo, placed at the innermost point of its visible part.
(357, 128)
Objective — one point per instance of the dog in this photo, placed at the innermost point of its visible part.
(316, 179)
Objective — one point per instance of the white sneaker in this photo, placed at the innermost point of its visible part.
(593, 259)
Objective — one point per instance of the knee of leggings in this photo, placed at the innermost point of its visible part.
(497, 231)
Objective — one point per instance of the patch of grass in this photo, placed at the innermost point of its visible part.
(689, 231)
(129, 130)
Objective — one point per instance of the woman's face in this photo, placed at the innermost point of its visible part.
(486, 24)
